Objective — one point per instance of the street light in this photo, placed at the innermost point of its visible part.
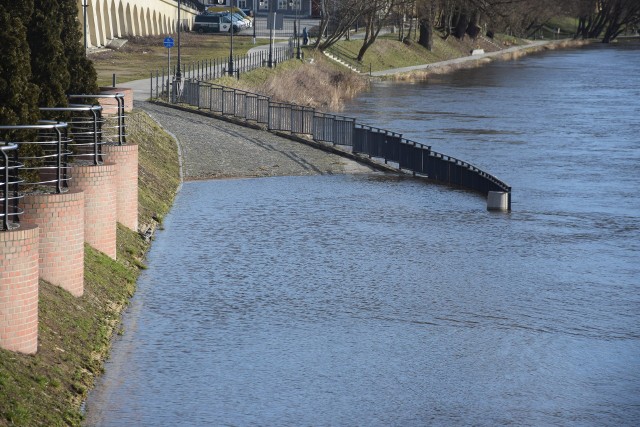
(230, 68)
(296, 25)
(85, 4)
(253, 23)
(178, 72)
(272, 15)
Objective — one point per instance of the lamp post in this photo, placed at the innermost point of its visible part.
(254, 22)
(178, 72)
(296, 25)
(230, 67)
(85, 4)
(272, 16)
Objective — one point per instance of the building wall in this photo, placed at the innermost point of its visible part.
(108, 19)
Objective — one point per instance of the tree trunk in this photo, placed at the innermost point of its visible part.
(461, 27)
(426, 34)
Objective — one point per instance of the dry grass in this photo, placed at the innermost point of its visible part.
(316, 83)
(142, 55)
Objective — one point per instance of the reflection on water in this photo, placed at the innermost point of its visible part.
(372, 300)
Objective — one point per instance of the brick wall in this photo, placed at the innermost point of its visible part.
(19, 289)
(99, 186)
(60, 218)
(126, 159)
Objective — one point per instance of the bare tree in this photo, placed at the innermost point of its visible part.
(610, 17)
(375, 17)
(337, 18)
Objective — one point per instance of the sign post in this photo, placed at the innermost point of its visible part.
(168, 43)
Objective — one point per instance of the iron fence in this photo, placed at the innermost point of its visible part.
(163, 84)
(9, 182)
(113, 129)
(85, 124)
(379, 144)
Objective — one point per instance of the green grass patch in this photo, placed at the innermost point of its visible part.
(75, 333)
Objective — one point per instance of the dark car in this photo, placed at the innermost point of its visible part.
(214, 23)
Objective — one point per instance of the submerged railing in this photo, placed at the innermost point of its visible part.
(381, 144)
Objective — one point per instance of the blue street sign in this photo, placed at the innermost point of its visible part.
(168, 42)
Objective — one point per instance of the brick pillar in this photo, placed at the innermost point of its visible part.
(126, 159)
(19, 289)
(60, 218)
(110, 105)
(99, 186)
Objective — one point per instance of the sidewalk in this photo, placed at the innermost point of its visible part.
(458, 60)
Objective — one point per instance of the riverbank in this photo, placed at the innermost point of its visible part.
(75, 334)
(48, 388)
(423, 72)
(322, 84)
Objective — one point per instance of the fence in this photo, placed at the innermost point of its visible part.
(85, 126)
(379, 144)
(113, 128)
(9, 182)
(163, 82)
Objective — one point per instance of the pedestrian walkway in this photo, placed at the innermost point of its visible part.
(458, 61)
(213, 148)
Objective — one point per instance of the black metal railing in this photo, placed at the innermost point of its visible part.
(44, 155)
(113, 130)
(163, 83)
(378, 144)
(85, 124)
(9, 183)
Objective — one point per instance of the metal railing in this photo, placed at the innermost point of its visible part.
(44, 157)
(9, 182)
(163, 84)
(113, 129)
(382, 144)
(85, 128)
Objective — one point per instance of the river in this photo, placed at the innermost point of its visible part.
(372, 300)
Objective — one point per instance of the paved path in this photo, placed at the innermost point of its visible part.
(458, 60)
(212, 148)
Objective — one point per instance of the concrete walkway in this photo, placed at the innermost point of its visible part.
(457, 61)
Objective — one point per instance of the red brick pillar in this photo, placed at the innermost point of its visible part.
(60, 218)
(99, 186)
(110, 105)
(126, 159)
(19, 289)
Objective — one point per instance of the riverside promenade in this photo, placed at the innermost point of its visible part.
(212, 148)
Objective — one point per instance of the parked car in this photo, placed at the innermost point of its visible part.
(215, 23)
(236, 10)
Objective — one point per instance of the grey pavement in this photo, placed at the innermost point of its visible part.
(458, 60)
(213, 148)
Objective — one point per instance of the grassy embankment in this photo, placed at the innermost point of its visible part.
(75, 333)
(323, 84)
(142, 55)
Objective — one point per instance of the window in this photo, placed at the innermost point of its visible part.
(283, 4)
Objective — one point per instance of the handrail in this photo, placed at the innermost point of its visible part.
(47, 162)
(120, 135)
(345, 131)
(86, 131)
(6, 183)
